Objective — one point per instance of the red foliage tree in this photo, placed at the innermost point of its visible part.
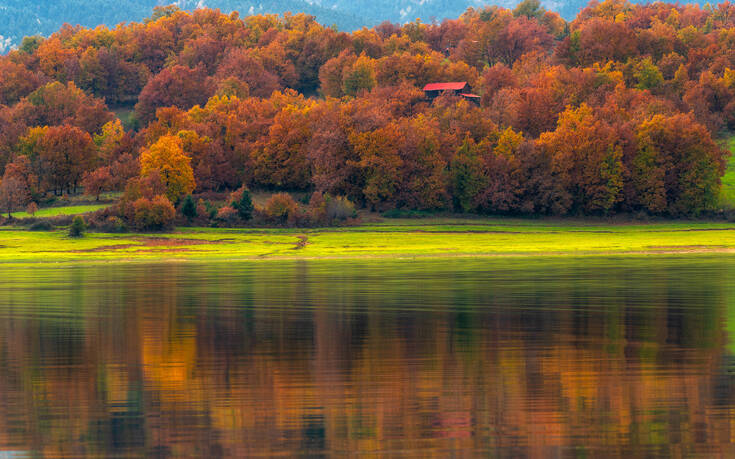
(68, 153)
(97, 182)
(177, 86)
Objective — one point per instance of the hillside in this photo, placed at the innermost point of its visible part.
(21, 18)
(618, 112)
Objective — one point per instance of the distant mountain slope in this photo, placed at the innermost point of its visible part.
(19, 18)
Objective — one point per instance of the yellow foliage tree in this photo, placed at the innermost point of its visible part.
(109, 139)
(166, 157)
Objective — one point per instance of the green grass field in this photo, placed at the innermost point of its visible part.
(58, 211)
(391, 239)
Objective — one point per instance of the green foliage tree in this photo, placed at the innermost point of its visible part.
(466, 176)
(78, 227)
(530, 9)
(245, 205)
(360, 77)
(189, 208)
(648, 75)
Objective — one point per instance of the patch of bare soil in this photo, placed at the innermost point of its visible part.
(155, 242)
(173, 242)
(685, 247)
(303, 242)
(105, 248)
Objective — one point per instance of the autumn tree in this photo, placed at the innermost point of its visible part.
(32, 208)
(280, 161)
(153, 214)
(467, 179)
(331, 74)
(402, 164)
(16, 81)
(587, 162)
(522, 35)
(359, 77)
(111, 142)
(331, 157)
(97, 182)
(281, 208)
(20, 168)
(66, 153)
(13, 194)
(502, 185)
(178, 86)
(242, 68)
(166, 158)
(677, 167)
(65, 104)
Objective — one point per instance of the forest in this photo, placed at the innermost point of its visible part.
(620, 111)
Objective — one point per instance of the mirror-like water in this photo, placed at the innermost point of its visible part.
(501, 358)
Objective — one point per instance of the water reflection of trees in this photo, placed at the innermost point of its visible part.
(222, 361)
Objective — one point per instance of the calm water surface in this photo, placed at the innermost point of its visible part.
(497, 358)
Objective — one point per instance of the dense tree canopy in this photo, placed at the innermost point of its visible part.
(616, 111)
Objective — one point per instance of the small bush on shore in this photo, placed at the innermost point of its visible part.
(78, 227)
(227, 215)
(42, 225)
(32, 209)
(340, 208)
(281, 209)
(153, 214)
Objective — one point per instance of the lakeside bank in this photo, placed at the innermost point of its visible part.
(393, 238)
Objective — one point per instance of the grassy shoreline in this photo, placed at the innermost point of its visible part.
(393, 238)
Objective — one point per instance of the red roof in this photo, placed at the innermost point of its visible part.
(470, 95)
(458, 86)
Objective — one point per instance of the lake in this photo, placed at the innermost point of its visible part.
(558, 357)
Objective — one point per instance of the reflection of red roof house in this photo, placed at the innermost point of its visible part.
(459, 88)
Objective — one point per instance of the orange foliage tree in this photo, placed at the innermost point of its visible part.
(166, 158)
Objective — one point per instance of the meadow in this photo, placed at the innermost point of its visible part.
(393, 238)
(61, 211)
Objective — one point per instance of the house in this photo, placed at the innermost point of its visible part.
(459, 88)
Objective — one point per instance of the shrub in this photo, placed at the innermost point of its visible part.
(227, 214)
(147, 187)
(318, 209)
(42, 225)
(60, 220)
(407, 213)
(281, 208)
(153, 214)
(113, 225)
(210, 210)
(340, 208)
(202, 209)
(325, 209)
(78, 226)
(32, 209)
(189, 208)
